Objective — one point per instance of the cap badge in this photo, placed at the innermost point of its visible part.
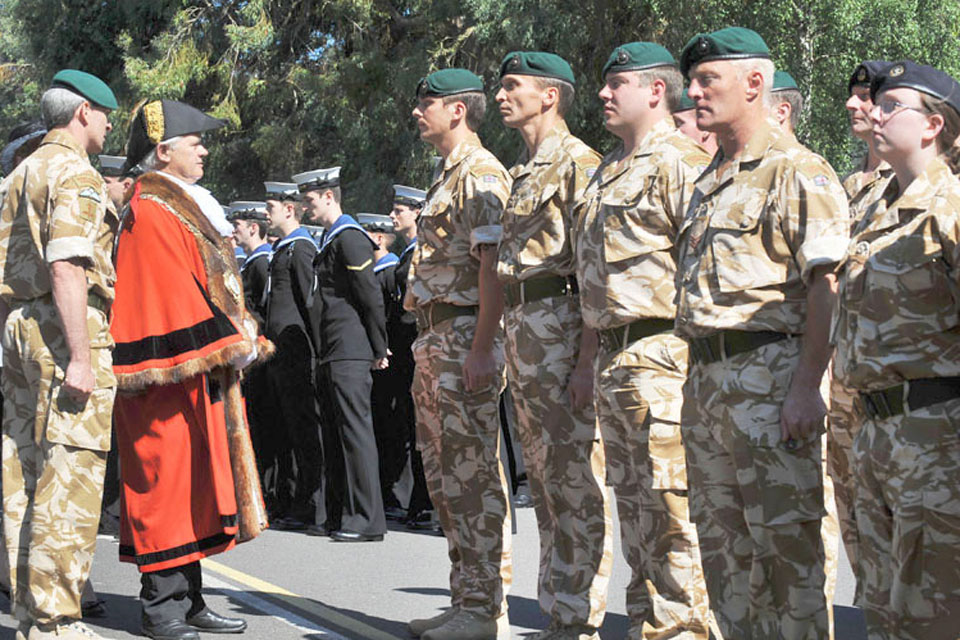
(896, 71)
(623, 57)
(514, 62)
(862, 75)
(703, 46)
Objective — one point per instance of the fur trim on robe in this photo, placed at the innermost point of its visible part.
(180, 309)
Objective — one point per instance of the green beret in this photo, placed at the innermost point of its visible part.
(636, 56)
(87, 85)
(448, 82)
(783, 81)
(732, 43)
(537, 63)
(685, 102)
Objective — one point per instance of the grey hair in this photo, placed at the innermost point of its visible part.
(764, 66)
(58, 106)
(150, 162)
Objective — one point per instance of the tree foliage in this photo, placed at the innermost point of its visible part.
(306, 84)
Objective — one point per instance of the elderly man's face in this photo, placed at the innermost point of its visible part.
(184, 159)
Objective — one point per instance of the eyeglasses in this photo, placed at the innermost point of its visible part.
(889, 108)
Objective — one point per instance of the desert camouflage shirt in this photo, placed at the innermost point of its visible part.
(55, 207)
(900, 291)
(626, 258)
(540, 215)
(462, 211)
(864, 188)
(754, 233)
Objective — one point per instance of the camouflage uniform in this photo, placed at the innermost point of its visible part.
(898, 323)
(748, 244)
(561, 446)
(625, 265)
(458, 432)
(863, 189)
(54, 449)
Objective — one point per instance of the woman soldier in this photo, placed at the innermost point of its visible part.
(899, 345)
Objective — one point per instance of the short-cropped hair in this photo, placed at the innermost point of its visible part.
(476, 104)
(58, 106)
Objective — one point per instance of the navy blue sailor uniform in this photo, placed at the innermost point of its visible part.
(351, 334)
(384, 399)
(411, 489)
(253, 273)
(293, 446)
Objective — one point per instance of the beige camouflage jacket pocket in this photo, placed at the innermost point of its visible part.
(738, 244)
(84, 425)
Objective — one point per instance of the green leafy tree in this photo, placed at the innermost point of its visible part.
(305, 84)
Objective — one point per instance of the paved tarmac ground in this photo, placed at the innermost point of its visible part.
(292, 586)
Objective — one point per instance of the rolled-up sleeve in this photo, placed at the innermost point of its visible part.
(816, 219)
(484, 196)
(78, 206)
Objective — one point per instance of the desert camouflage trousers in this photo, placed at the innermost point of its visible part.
(757, 503)
(53, 466)
(458, 434)
(638, 394)
(564, 461)
(843, 423)
(908, 516)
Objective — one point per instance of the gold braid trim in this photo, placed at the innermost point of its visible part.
(153, 119)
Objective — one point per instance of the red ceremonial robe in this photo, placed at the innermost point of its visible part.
(178, 322)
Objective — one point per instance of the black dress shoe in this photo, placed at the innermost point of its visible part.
(396, 514)
(317, 530)
(169, 630)
(93, 609)
(353, 536)
(211, 622)
(288, 524)
(424, 522)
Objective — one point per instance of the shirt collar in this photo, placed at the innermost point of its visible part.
(64, 139)
(390, 258)
(926, 187)
(549, 146)
(757, 147)
(461, 152)
(262, 249)
(299, 232)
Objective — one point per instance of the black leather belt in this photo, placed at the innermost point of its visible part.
(535, 289)
(730, 343)
(619, 337)
(429, 316)
(913, 394)
(98, 302)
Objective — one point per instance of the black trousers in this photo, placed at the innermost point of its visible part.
(390, 430)
(292, 426)
(111, 481)
(270, 444)
(171, 594)
(352, 479)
